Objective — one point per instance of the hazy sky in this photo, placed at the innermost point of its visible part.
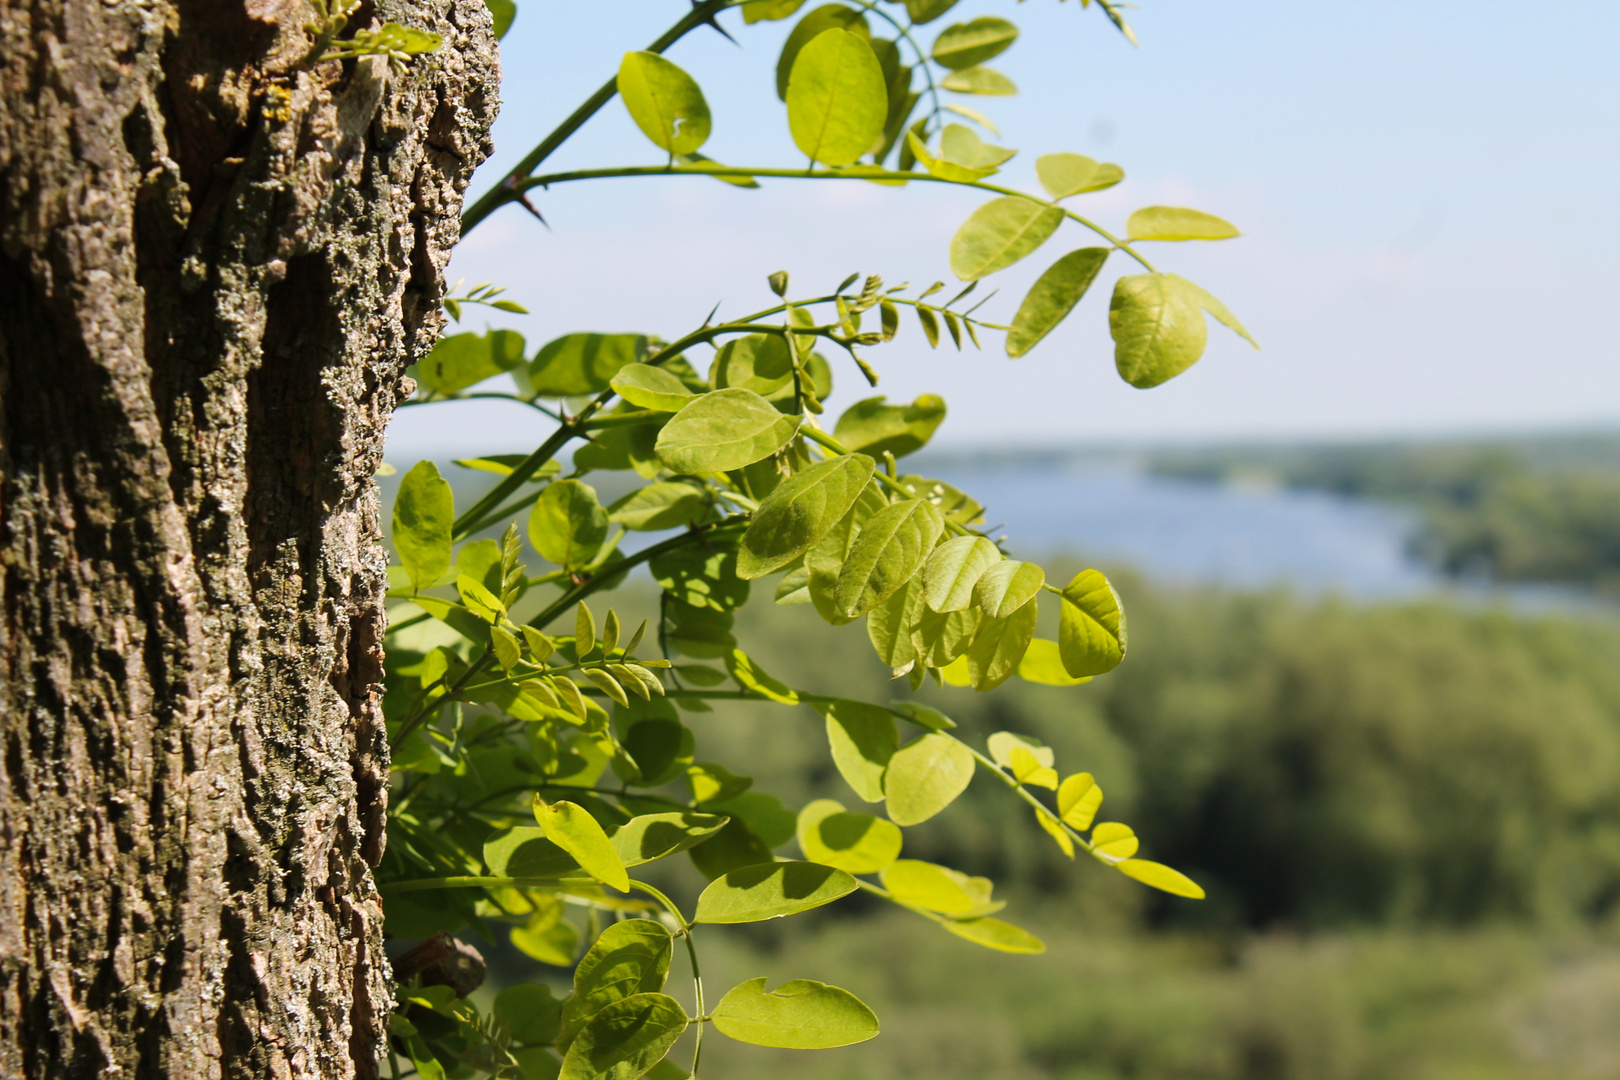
(1428, 193)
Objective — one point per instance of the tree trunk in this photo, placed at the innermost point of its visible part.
(216, 260)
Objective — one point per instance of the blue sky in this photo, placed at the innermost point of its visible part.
(1428, 193)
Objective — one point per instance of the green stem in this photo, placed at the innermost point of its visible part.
(510, 188)
(868, 174)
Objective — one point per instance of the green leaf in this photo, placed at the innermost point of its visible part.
(762, 363)
(648, 837)
(550, 940)
(1177, 223)
(1078, 798)
(723, 430)
(423, 512)
(939, 888)
(962, 45)
(1003, 744)
(750, 676)
(979, 80)
(1158, 328)
(631, 957)
(1006, 587)
(764, 815)
(941, 637)
(801, 1014)
(855, 843)
(768, 10)
(567, 525)
(582, 363)
(825, 559)
(802, 509)
(530, 1011)
(711, 782)
(479, 600)
(625, 1039)
(1063, 175)
(872, 426)
(824, 18)
(571, 828)
(1091, 632)
(732, 848)
(1053, 296)
(954, 568)
(650, 387)
(863, 739)
(945, 170)
(664, 101)
(770, 891)
(889, 551)
(998, 935)
(889, 625)
(702, 576)
(503, 12)
(1221, 312)
(962, 145)
(999, 233)
(999, 647)
(1162, 877)
(926, 11)
(837, 99)
(464, 360)
(699, 632)
(1113, 842)
(584, 630)
(1043, 664)
(924, 716)
(666, 504)
(925, 776)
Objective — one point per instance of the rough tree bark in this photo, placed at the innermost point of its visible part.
(216, 261)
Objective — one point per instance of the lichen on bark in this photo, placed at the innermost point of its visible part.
(215, 264)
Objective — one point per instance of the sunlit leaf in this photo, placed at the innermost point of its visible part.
(1043, 663)
(979, 80)
(1158, 328)
(770, 891)
(582, 363)
(723, 430)
(801, 1014)
(1162, 877)
(837, 99)
(571, 828)
(423, 512)
(650, 387)
(998, 935)
(890, 549)
(873, 426)
(802, 509)
(1177, 223)
(1007, 586)
(664, 101)
(962, 45)
(813, 25)
(1053, 296)
(663, 505)
(567, 525)
(629, 958)
(925, 776)
(1113, 842)
(1092, 630)
(863, 738)
(939, 888)
(625, 1039)
(1063, 175)
(999, 647)
(853, 842)
(999, 233)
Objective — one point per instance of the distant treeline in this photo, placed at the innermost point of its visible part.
(1534, 510)
(1313, 765)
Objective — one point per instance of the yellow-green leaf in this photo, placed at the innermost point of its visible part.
(1053, 296)
(801, 1014)
(998, 648)
(925, 776)
(1042, 663)
(954, 568)
(1091, 632)
(1063, 175)
(650, 387)
(625, 1039)
(1078, 798)
(423, 512)
(837, 99)
(891, 548)
(770, 891)
(863, 738)
(571, 828)
(723, 430)
(999, 233)
(1177, 223)
(1113, 842)
(939, 888)
(979, 80)
(664, 101)
(1006, 587)
(962, 45)
(800, 511)
(1162, 877)
(568, 525)
(998, 935)
(853, 842)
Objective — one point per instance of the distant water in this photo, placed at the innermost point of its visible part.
(1195, 532)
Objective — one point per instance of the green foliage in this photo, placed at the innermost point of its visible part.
(509, 694)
